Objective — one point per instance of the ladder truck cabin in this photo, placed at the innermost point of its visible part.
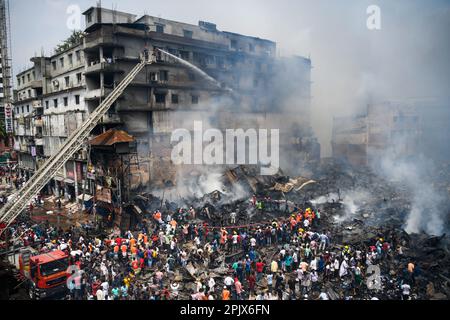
(23, 197)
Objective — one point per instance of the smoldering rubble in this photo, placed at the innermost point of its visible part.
(336, 233)
(358, 207)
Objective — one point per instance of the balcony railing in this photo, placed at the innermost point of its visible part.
(96, 67)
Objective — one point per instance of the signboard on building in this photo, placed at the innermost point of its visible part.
(8, 118)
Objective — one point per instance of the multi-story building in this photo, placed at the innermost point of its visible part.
(384, 127)
(49, 106)
(266, 92)
(252, 89)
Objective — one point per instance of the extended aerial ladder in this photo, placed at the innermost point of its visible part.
(72, 145)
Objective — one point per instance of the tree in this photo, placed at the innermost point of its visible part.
(74, 39)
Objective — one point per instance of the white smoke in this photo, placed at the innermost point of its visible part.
(427, 203)
(351, 200)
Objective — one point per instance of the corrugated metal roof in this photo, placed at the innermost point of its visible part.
(111, 137)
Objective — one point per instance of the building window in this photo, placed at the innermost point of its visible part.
(220, 62)
(70, 56)
(23, 109)
(194, 99)
(184, 55)
(77, 99)
(54, 65)
(61, 62)
(23, 79)
(79, 78)
(89, 17)
(67, 80)
(187, 34)
(29, 93)
(29, 77)
(153, 76)
(233, 44)
(28, 108)
(46, 104)
(174, 98)
(55, 103)
(160, 97)
(66, 101)
(159, 28)
(164, 75)
(78, 55)
(18, 81)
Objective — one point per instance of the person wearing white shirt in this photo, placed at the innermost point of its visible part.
(100, 294)
(105, 286)
(233, 218)
(406, 291)
(211, 284)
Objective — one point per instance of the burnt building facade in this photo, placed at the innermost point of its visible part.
(384, 127)
(226, 80)
(254, 88)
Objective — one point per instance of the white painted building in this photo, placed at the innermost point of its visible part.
(50, 106)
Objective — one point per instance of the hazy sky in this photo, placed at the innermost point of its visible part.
(407, 58)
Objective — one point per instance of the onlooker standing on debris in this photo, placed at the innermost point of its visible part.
(405, 291)
(233, 217)
(259, 270)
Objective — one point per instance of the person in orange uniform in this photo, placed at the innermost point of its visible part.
(132, 242)
(124, 249)
(225, 293)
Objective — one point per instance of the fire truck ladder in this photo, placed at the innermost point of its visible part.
(42, 176)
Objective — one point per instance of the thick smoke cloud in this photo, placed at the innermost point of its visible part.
(407, 60)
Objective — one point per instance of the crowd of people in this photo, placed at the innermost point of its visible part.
(293, 257)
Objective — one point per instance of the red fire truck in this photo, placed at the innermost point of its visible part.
(46, 274)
